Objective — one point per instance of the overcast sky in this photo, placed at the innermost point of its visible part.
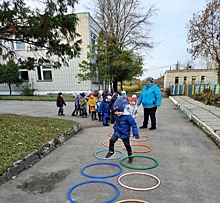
(169, 29)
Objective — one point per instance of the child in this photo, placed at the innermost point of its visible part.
(98, 109)
(114, 97)
(123, 123)
(77, 106)
(92, 102)
(132, 107)
(105, 109)
(125, 98)
(60, 103)
(83, 105)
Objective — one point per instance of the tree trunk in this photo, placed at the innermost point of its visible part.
(9, 85)
(115, 86)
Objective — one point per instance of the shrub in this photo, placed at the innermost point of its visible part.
(27, 90)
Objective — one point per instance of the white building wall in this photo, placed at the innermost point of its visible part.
(63, 79)
(170, 75)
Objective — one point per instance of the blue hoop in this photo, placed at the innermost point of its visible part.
(101, 163)
(103, 150)
(94, 181)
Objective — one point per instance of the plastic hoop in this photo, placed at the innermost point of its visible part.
(132, 200)
(139, 189)
(110, 158)
(143, 145)
(101, 163)
(140, 140)
(139, 156)
(94, 181)
(104, 143)
(135, 140)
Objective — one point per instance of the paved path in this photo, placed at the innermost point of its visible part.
(188, 162)
(205, 116)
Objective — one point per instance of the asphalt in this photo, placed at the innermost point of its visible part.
(185, 145)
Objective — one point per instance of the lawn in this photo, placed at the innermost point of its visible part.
(21, 135)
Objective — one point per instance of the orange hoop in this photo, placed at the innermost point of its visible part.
(104, 143)
(132, 200)
(140, 140)
(135, 140)
(143, 145)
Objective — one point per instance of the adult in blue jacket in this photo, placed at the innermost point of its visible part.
(150, 98)
(122, 128)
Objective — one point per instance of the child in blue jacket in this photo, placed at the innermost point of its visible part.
(122, 128)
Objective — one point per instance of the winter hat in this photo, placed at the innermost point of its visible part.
(134, 99)
(123, 92)
(115, 94)
(82, 94)
(90, 94)
(150, 79)
(60, 93)
(109, 93)
(118, 105)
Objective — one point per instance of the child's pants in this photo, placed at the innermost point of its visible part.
(105, 119)
(126, 142)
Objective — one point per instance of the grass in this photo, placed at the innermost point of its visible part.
(35, 97)
(21, 135)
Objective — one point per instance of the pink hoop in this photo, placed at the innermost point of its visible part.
(132, 200)
(139, 189)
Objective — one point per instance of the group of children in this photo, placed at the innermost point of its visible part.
(121, 112)
(100, 108)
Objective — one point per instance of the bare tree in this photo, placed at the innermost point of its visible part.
(204, 33)
(124, 22)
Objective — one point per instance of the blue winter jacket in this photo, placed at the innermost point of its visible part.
(123, 124)
(150, 96)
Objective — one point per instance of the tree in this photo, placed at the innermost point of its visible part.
(110, 64)
(9, 74)
(204, 34)
(50, 31)
(124, 22)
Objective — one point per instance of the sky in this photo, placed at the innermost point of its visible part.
(168, 29)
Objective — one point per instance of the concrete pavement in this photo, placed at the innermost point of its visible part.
(205, 116)
(188, 160)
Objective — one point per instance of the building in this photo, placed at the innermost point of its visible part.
(46, 80)
(190, 76)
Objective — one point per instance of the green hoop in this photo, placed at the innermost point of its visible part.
(139, 156)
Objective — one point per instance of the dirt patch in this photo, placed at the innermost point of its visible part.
(43, 182)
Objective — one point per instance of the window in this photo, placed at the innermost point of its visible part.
(93, 38)
(202, 79)
(17, 46)
(44, 72)
(184, 80)
(24, 75)
(193, 79)
(176, 80)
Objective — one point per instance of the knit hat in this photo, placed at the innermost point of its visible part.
(118, 105)
(90, 94)
(150, 79)
(115, 94)
(134, 99)
(82, 94)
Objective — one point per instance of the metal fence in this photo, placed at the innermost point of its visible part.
(193, 89)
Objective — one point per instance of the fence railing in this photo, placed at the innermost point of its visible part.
(193, 89)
